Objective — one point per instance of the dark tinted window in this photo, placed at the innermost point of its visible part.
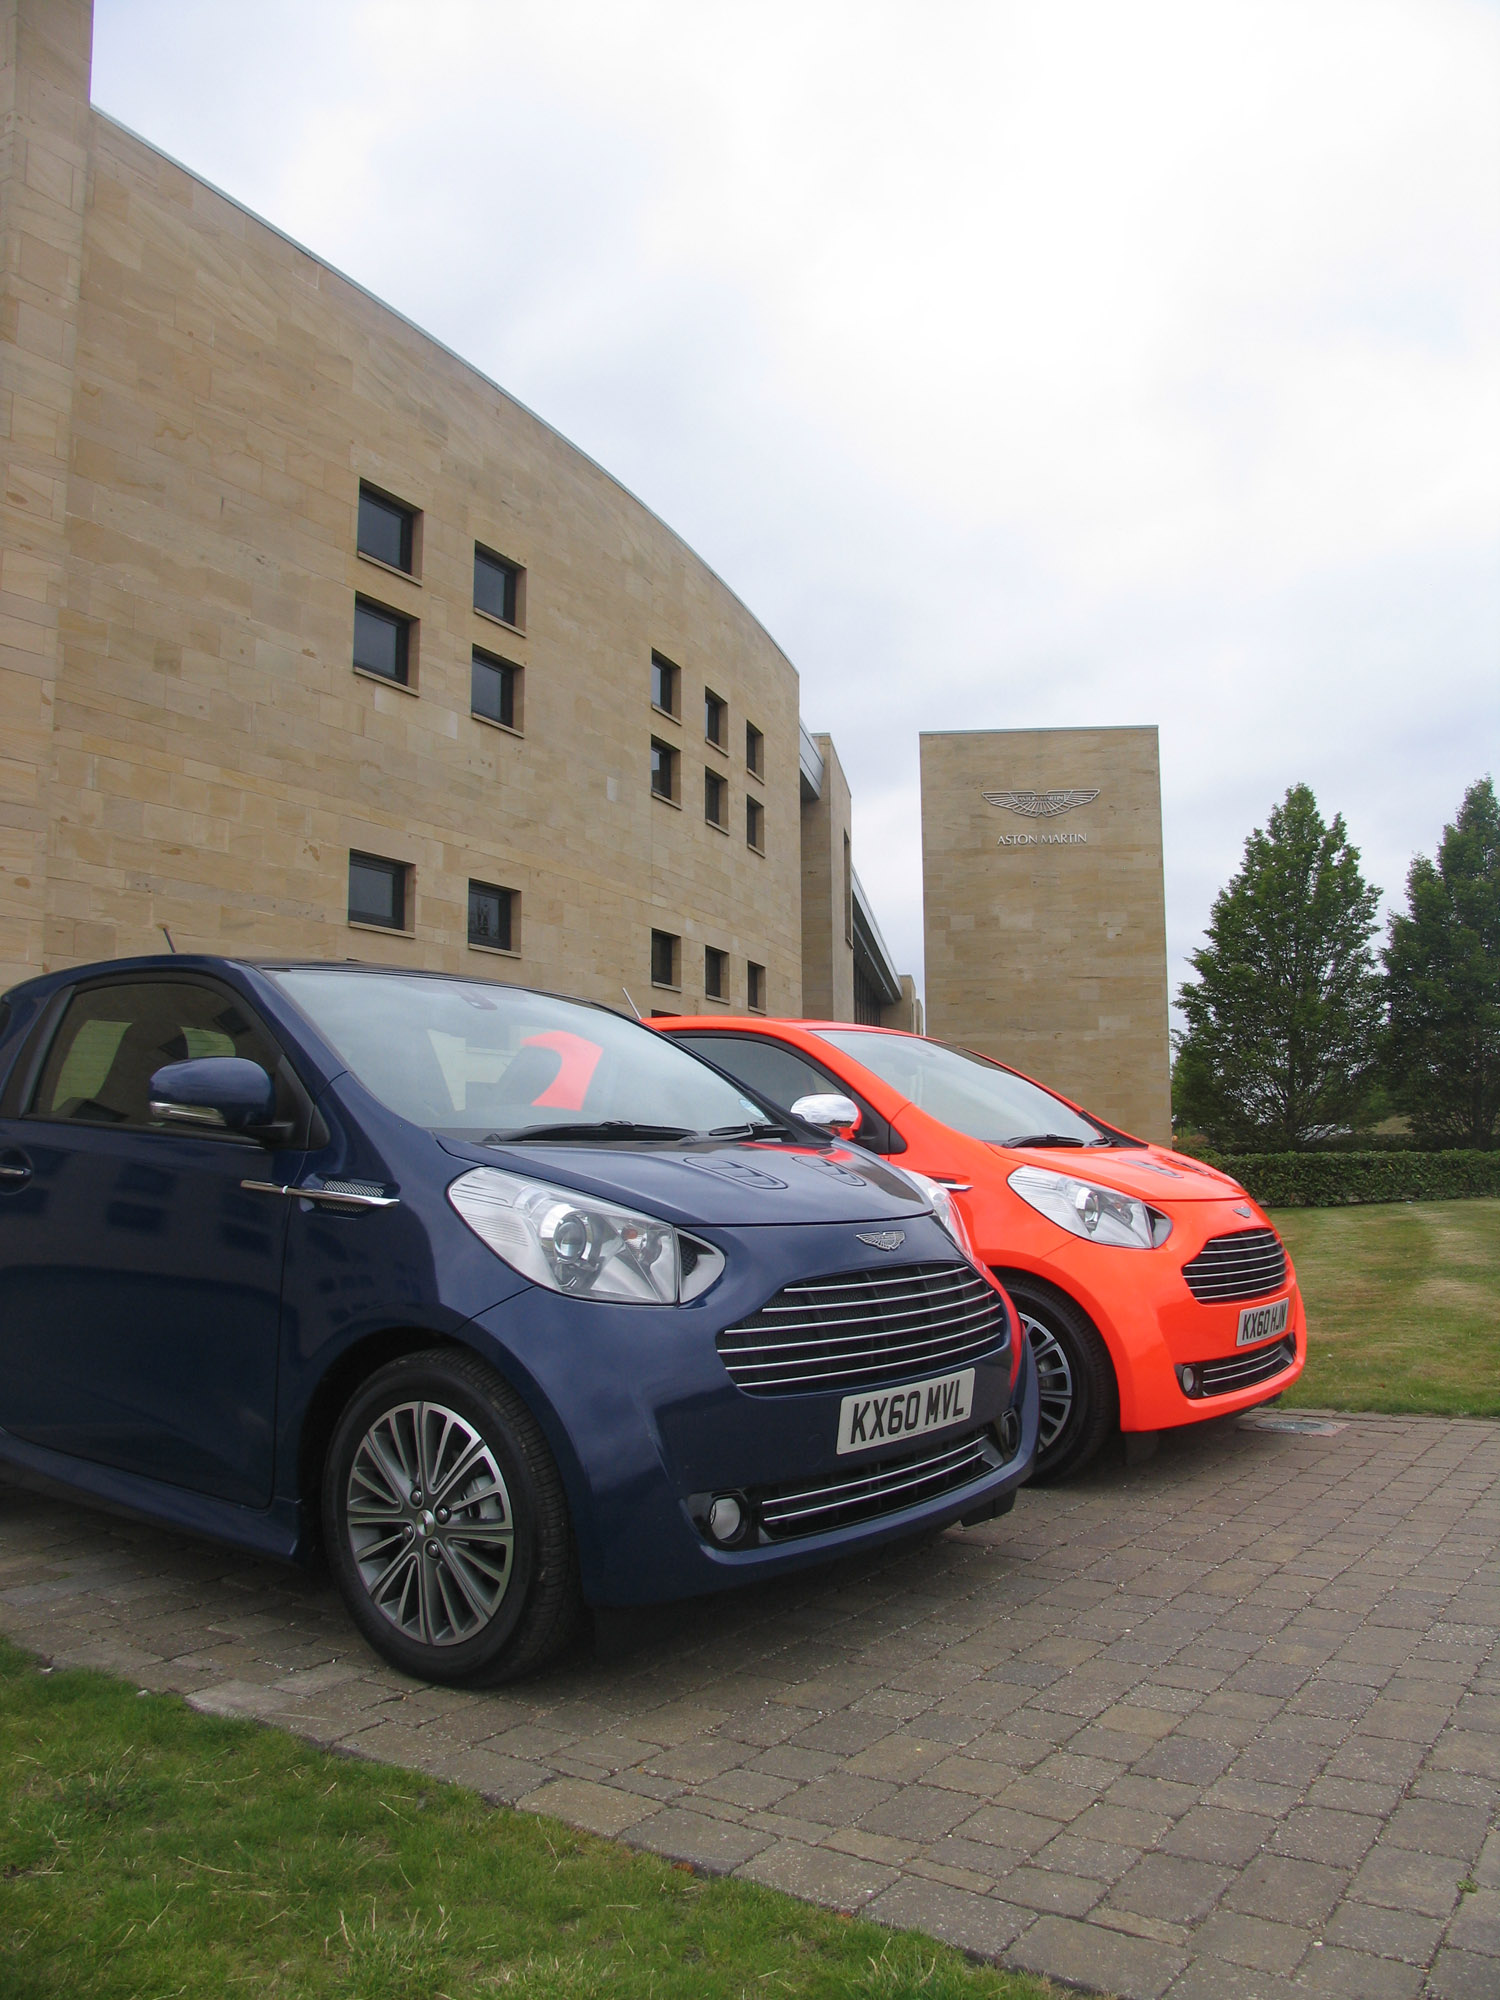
(755, 985)
(663, 684)
(377, 891)
(755, 825)
(715, 799)
(663, 958)
(385, 529)
(381, 641)
(114, 1038)
(492, 689)
(715, 718)
(490, 916)
(495, 583)
(715, 972)
(663, 770)
(755, 750)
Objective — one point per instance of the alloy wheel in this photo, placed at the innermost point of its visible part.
(430, 1523)
(1054, 1381)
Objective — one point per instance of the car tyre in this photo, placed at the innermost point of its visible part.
(1080, 1399)
(446, 1525)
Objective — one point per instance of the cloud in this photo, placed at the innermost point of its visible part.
(1018, 364)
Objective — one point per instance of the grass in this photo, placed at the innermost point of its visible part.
(1403, 1306)
(148, 1850)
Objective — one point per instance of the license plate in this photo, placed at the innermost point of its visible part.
(904, 1413)
(1260, 1322)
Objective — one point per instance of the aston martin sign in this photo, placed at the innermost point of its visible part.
(1041, 805)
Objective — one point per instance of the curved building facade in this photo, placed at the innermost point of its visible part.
(317, 642)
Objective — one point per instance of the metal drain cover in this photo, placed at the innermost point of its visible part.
(1315, 1427)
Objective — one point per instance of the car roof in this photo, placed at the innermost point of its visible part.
(200, 961)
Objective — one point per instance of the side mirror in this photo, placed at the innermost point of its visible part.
(213, 1093)
(835, 1113)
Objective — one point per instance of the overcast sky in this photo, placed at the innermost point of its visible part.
(1019, 364)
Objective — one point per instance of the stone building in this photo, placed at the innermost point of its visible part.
(1045, 913)
(315, 641)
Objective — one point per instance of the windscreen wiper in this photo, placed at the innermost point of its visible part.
(765, 1129)
(605, 1129)
(1048, 1139)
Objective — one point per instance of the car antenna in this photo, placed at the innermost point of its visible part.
(168, 936)
(633, 1008)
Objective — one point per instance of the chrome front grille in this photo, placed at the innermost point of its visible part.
(813, 1506)
(1243, 1371)
(857, 1329)
(1246, 1265)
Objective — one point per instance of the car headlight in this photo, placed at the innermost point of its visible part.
(589, 1249)
(1097, 1214)
(945, 1208)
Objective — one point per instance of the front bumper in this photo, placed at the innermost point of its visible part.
(645, 1424)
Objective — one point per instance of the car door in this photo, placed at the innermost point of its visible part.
(140, 1285)
(781, 1073)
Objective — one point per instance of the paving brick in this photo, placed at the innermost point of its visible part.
(1253, 1941)
(1051, 1889)
(1357, 1975)
(1405, 1880)
(1213, 1833)
(714, 1845)
(982, 1925)
(1476, 1927)
(1385, 1933)
(596, 1808)
(1105, 1961)
(1316, 1833)
(1461, 1975)
(818, 1874)
(1293, 1892)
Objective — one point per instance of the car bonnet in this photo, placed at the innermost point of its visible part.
(734, 1185)
(1151, 1174)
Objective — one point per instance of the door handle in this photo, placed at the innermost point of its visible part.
(347, 1196)
(15, 1172)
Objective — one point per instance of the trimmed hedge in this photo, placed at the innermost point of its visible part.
(1331, 1180)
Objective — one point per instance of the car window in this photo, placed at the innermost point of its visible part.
(783, 1075)
(467, 1057)
(963, 1090)
(770, 1067)
(114, 1038)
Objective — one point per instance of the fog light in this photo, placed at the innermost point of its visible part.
(1188, 1377)
(725, 1517)
(1010, 1433)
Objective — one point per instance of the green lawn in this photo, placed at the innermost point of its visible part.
(147, 1850)
(1403, 1305)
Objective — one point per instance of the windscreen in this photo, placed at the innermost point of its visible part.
(475, 1060)
(965, 1091)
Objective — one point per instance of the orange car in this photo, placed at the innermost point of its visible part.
(1154, 1292)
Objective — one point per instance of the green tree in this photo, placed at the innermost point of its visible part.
(1442, 963)
(1284, 1018)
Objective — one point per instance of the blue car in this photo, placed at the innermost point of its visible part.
(503, 1302)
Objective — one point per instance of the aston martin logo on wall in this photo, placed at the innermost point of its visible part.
(1040, 805)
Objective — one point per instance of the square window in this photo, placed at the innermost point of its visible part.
(715, 719)
(664, 950)
(755, 825)
(491, 916)
(715, 973)
(715, 799)
(663, 770)
(665, 684)
(385, 529)
(755, 751)
(755, 986)
(497, 586)
(382, 641)
(494, 686)
(378, 891)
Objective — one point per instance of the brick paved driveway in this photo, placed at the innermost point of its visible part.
(1224, 1726)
